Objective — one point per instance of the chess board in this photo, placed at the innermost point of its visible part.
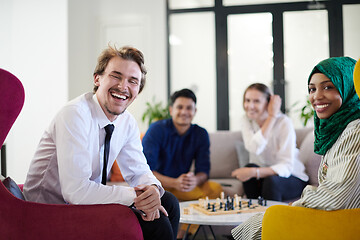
(254, 207)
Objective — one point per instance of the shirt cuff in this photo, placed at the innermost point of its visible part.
(130, 195)
(161, 189)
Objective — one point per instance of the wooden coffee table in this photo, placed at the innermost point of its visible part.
(196, 217)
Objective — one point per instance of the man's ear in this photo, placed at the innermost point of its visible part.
(96, 80)
(170, 110)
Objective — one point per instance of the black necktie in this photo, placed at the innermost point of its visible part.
(109, 130)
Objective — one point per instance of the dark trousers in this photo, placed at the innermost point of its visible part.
(164, 228)
(274, 187)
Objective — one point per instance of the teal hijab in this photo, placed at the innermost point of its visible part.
(340, 71)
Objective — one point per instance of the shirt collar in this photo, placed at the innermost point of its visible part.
(175, 132)
(102, 118)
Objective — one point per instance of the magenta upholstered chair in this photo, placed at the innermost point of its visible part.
(11, 102)
(20, 219)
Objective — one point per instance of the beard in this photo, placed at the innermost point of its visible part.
(112, 112)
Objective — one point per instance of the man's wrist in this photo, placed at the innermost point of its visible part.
(157, 187)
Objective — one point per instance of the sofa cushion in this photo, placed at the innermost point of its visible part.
(301, 134)
(223, 155)
(242, 153)
(310, 158)
(230, 186)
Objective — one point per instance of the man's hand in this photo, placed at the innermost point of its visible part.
(148, 201)
(186, 182)
(244, 174)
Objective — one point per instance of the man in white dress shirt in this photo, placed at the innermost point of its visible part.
(68, 163)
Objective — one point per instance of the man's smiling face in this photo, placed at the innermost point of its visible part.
(118, 86)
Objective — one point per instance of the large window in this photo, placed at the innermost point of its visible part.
(219, 47)
(180, 4)
(250, 58)
(311, 27)
(251, 2)
(193, 61)
(351, 20)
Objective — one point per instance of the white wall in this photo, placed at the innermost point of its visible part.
(34, 50)
(52, 46)
(96, 23)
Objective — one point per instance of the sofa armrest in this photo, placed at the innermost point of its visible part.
(287, 222)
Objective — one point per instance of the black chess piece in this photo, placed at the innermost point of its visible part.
(249, 203)
(213, 208)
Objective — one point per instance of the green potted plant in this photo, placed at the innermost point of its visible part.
(306, 112)
(155, 111)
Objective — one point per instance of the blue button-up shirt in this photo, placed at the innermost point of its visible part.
(171, 154)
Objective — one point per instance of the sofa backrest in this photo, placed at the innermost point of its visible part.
(310, 159)
(223, 156)
(301, 134)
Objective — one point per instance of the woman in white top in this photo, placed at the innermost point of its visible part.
(274, 171)
(337, 139)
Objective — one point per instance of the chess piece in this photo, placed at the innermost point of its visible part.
(260, 200)
(213, 208)
(236, 197)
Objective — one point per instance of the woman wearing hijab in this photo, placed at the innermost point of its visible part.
(337, 139)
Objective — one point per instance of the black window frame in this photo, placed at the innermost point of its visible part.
(336, 43)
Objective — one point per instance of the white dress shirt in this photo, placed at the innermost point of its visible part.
(279, 152)
(68, 162)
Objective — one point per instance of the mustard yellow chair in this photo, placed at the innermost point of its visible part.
(290, 223)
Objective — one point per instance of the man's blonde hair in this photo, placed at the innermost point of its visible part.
(126, 53)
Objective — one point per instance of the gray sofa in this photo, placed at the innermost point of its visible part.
(226, 155)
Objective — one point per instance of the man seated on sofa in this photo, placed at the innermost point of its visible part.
(171, 146)
(76, 151)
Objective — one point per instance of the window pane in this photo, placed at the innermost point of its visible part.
(351, 22)
(180, 4)
(250, 58)
(253, 2)
(306, 42)
(192, 51)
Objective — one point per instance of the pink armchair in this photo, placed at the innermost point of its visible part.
(20, 219)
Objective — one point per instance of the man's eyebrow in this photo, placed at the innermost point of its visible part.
(119, 73)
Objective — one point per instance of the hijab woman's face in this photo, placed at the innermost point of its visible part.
(324, 96)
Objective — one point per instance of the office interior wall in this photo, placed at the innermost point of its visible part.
(52, 46)
(139, 23)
